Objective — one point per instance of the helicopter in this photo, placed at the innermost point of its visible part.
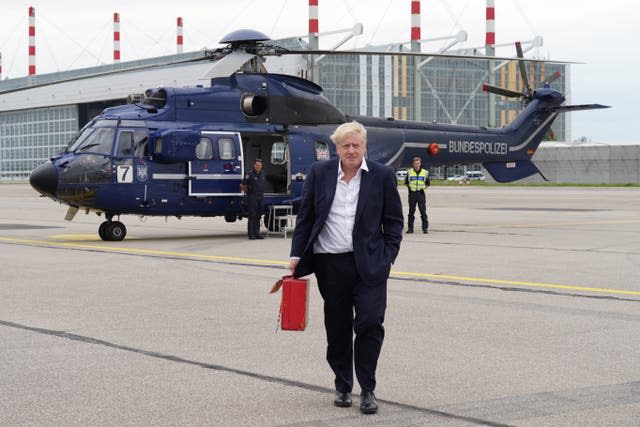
(184, 151)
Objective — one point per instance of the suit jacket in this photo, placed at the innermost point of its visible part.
(378, 226)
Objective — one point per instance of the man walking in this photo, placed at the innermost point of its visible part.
(417, 181)
(253, 186)
(348, 233)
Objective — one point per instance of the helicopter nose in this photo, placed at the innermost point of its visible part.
(44, 179)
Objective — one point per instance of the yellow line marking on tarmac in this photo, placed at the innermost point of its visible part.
(193, 255)
(76, 237)
(84, 237)
(517, 283)
(143, 251)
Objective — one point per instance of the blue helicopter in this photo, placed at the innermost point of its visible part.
(184, 151)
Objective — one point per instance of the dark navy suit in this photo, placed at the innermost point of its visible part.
(352, 280)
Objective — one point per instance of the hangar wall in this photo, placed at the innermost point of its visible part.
(28, 137)
(587, 163)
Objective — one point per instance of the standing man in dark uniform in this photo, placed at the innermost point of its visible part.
(253, 186)
(348, 233)
(417, 181)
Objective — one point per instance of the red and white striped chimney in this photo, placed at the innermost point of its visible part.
(415, 23)
(490, 42)
(314, 25)
(179, 39)
(116, 37)
(313, 16)
(32, 41)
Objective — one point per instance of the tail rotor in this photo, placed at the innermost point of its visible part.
(527, 93)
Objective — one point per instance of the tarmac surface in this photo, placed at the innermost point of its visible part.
(520, 307)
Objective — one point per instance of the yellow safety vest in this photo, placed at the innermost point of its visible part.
(415, 180)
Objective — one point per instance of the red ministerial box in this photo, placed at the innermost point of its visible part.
(295, 304)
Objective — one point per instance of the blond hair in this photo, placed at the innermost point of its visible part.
(345, 130)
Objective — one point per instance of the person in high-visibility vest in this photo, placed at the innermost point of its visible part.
(417, 181)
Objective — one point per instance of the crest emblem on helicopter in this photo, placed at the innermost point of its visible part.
(142, 172)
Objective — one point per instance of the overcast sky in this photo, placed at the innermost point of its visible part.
(603, 34)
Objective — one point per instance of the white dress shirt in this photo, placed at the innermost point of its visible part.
(336, 236)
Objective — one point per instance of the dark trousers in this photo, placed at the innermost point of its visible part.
(417, 198)
(343, 290)
(255, 213)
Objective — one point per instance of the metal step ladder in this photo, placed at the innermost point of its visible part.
(281, 220)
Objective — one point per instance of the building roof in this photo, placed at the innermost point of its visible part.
(115, 81)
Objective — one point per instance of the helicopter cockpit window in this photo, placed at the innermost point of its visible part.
(204, 149)
(278, 153)
(125, 143)
(321, 150)
(133, 124)
(99, 142)
(140, 143)
(226, 148)
(79, 138)
(105, 123)
(132, 143)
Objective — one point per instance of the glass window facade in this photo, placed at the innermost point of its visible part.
(450, 89)
(30, 136)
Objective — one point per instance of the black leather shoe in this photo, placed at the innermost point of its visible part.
(409, 231)
(343, 399)
(251, 238)
(368, 404)
(425, 232)
(259, 238)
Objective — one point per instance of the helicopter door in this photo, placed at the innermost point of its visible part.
(217, 169)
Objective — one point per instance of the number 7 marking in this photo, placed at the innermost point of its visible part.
(123, 174)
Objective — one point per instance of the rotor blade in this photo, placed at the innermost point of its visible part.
(565, 108)
(501, 91)
(419, 54)
(116, 70)
(523, 68)
(227, 65)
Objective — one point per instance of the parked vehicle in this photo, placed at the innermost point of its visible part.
(401, 175)
(474, 176)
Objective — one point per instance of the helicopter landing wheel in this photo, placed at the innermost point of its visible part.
(113, 231)
(101, 229)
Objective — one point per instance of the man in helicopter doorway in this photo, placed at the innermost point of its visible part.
(253, 187)
(417, 181)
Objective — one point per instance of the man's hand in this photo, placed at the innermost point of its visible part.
(293, 264)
